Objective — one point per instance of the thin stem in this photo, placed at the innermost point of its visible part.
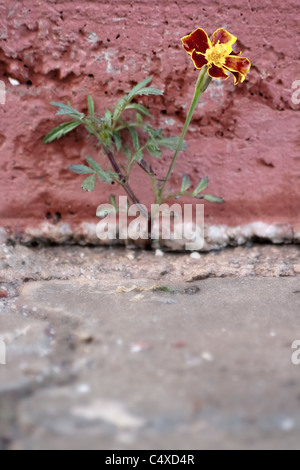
(132, 161)
(147, 168)
(124, 182)
(202, 83)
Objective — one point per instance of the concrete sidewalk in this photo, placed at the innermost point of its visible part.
(126, 361)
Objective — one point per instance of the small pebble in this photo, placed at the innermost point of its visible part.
(297, 268)
(3, 294)
(195, 255)
(207, 356)
(13, 81)
(140, 347)
(83, 389)
(192, 290)
(159, 253)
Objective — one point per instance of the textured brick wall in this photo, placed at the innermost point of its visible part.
(245, 139)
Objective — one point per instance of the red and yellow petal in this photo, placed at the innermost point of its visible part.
(196, 41)
(217, 72)
(199, 60)
(223, 37)
(237, 64)
(235, 53)
(237, 77)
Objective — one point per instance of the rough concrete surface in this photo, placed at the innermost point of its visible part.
(121, 349)
(246, 139)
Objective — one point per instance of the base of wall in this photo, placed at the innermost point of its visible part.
(216, 236)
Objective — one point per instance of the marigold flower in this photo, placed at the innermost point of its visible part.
(217, 54)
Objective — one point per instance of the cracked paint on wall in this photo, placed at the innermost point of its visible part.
(246, 139)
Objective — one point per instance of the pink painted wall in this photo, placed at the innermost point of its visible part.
(246, 139)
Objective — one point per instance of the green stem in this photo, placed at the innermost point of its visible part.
(134, 124)
(132, 161)
(123, 180)
(202, 83)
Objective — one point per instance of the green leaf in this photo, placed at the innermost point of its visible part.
(217, 200)
(81, 169)
(65, 110)
(139, 118)
(139, 86)
(102, 175)
(150, 91)
(112, 175)
(108, 117)
(120, 107)
(186, 183)
(140, 108)
(91, 105)
(61, 130)
(156, 134)
(135, 137)
(153, 149)
(113, 202)
(127, 152)
(201, 186)
(89, 184)
(171, 143)
(139, 155)
(118, 140)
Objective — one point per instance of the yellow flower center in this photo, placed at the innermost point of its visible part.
(217, 54)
